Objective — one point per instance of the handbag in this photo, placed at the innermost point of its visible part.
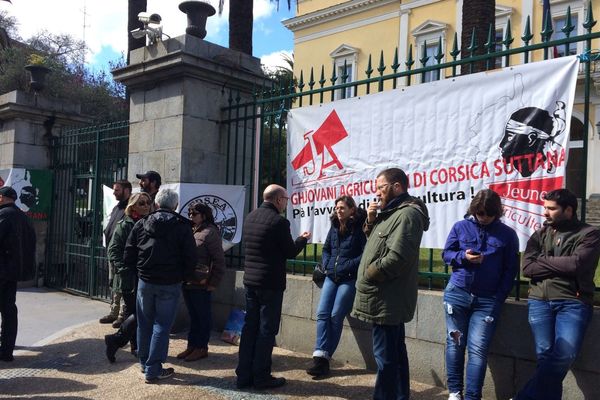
(319, 275)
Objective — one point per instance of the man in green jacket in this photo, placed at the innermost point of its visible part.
(386, 286)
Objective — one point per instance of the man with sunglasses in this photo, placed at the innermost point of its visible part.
(386, 285)
(561, 260)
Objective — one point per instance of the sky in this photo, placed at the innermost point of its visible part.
(106, 24)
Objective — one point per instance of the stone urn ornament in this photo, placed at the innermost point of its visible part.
(197, 13)
(37, 71)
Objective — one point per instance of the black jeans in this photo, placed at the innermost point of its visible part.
(128, 330)
(263, 313)
(8, 311)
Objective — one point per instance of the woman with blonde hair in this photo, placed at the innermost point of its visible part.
(125, 280)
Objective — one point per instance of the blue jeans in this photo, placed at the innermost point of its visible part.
(263, 314)
(470, 323)
(558, 328)
(335, 303)
(198, 305)
(393, 380)
(156, 308)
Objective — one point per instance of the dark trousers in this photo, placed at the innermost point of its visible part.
(197, 302)
(128, 330)
(393, 380)
(8, 311)
(263, 314)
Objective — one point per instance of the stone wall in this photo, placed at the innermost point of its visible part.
(510, 364)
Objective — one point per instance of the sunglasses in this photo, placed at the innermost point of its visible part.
(482, 214)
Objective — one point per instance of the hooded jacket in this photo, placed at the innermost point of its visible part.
(17, 244)
(342, 253)
(561, 262)
(386, 286)
(162, 248)
(499, 246)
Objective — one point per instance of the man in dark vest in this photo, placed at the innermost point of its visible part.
(268, 244)
(17, 263)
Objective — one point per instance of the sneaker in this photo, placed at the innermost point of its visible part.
(197, 354)
(164, 374)
(117, 323)
(107, 319)
(455, 396)
(270, 383)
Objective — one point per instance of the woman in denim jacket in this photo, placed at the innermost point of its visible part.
(483, 254)
(341, 255)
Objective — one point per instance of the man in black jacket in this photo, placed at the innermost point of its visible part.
(162, 248)
(17, 262)
(268, 244)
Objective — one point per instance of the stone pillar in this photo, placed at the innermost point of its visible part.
(26, 123)
(177, 90)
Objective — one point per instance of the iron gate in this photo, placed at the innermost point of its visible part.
(83, 160)
(256, 130)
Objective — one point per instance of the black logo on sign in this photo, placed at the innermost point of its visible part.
(223, 212)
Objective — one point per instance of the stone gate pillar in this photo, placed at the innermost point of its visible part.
(27, 123)
(177, 90)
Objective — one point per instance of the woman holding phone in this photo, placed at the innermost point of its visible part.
(483, 254)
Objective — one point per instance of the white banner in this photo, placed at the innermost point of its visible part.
(226, 202)
(506, 130)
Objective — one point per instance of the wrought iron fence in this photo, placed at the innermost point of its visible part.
(83, 160)
(256, 130)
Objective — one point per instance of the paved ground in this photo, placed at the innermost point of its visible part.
(69, 363)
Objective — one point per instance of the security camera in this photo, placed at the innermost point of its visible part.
(147, 18)
(138, 33)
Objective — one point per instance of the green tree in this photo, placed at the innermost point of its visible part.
(100, 97)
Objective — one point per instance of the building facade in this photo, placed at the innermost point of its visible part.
(347, 38)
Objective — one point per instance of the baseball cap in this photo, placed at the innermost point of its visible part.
(8, 192)
(151, 175)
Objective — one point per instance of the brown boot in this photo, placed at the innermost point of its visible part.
(197, 354)
(185, 353)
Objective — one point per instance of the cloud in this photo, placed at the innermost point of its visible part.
(275, 60)
(106, 21)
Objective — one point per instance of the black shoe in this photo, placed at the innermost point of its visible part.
(7, 357)
(319, 368)
(243, 384)
(108, 319)
(118, 322)
(164, 374)
(113, 343)
(270, 383)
